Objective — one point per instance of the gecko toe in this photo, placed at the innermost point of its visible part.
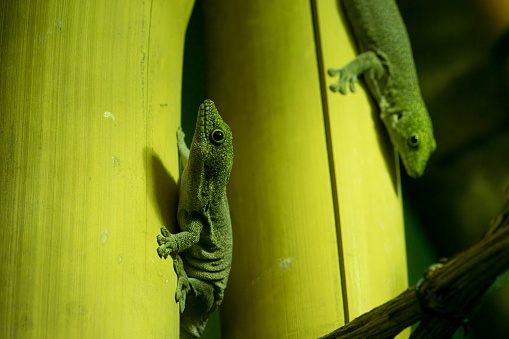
(334, 87)
(164, 231)
(163, 251)
(161, 240)
(333, 71)
(160, 252)
(352, 85)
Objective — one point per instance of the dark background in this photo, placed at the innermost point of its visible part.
(461, 52)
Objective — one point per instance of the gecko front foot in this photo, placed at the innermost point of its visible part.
(167, 243)
(345, 79)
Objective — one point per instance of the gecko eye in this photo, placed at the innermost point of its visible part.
(217, 136)
(414, 141)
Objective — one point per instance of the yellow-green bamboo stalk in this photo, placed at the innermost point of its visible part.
(314, 191)
(90, 99)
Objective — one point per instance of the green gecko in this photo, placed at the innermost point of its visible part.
(202, 251)
(387, 65)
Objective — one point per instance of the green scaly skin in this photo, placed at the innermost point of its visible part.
(202, 251)
(387, 65)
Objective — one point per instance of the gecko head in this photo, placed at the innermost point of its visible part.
(213, 142)
(412, 134)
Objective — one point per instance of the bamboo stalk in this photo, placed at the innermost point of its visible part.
(90, 101)
(316, 215)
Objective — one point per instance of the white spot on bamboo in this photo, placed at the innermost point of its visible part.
(109, 115)
(286, 263)
(104, 235)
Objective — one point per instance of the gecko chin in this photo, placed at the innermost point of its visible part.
(415, 166)
(414, 174)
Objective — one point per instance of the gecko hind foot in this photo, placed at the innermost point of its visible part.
(183, 285)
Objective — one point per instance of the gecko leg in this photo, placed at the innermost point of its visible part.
(201, 305)
(367, 62)
(181, 144)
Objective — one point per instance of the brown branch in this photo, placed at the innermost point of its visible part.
(449, 292)
(385, 321)
(452, 294)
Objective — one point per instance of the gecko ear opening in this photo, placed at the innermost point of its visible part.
(414, 141)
